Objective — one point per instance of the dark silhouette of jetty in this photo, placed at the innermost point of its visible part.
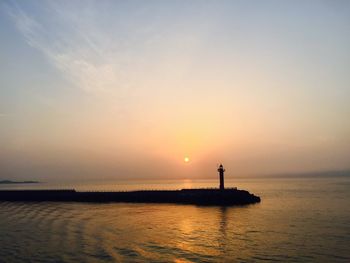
(222, 196)
(18, 182)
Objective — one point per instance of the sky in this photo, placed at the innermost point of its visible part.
(95, 90)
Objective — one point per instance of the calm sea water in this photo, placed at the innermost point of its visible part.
(298, 220)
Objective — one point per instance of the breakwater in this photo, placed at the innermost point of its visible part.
(225, 197)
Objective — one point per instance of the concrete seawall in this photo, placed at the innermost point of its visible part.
(227, 197)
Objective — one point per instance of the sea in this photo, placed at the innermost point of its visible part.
(300, 219)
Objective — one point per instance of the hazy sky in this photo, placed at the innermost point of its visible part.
(127, 89)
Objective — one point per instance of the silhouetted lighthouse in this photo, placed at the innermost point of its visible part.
(221, 171)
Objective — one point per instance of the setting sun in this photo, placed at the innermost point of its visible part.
(186, 159)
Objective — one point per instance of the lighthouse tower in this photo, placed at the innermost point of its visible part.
(221, 171)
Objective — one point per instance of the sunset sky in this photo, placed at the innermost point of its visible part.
(129, 89)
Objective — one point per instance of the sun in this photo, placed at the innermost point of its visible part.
(186, 159)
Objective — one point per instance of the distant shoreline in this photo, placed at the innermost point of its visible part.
(18, 182)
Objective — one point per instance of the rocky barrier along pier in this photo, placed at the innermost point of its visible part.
(222, 197)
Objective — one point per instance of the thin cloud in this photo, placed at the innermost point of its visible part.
(72, 51)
